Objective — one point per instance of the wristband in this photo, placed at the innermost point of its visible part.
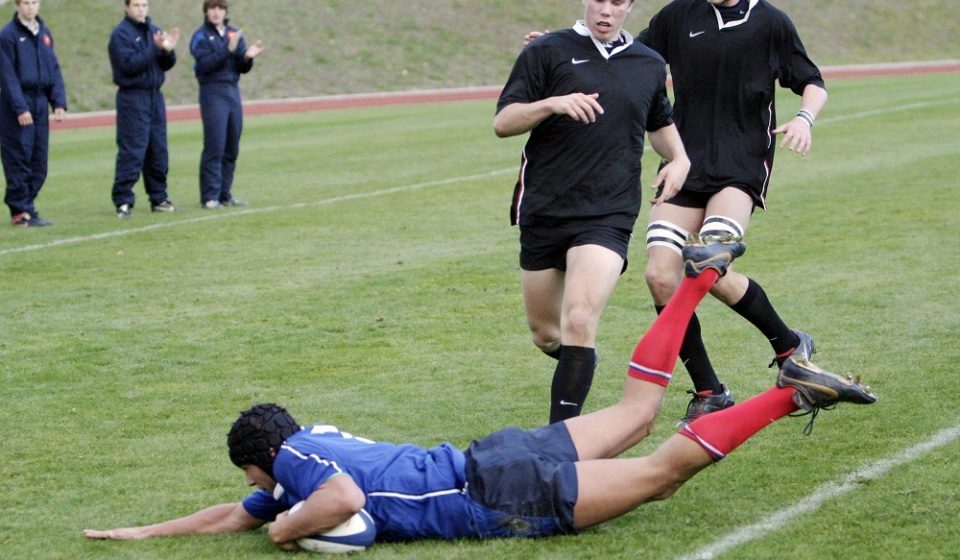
(806, 116)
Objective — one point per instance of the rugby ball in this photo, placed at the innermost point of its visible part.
(353, 535)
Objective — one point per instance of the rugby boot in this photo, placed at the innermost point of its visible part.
(701, 253)
(816, 388)
(805, 349)
(706, 402)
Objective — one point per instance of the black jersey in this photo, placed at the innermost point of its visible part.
(723, 84)
(572, 170)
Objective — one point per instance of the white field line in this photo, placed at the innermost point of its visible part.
(221, 215)
(829, 491)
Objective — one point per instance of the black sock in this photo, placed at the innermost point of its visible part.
(555, 353)
(756, 308)
(571, 382)
(693, 354)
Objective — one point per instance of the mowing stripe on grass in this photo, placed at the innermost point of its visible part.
(898, 108)
(826, 492)
(111, 234)
(233, 214)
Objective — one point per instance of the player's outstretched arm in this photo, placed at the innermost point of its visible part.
(223, 518)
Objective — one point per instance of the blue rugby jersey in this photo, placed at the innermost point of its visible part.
(412, 492)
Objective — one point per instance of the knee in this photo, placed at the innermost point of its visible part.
(580, 324)
(662, 279)
(546, 338)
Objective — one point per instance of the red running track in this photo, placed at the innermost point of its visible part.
(300, 105)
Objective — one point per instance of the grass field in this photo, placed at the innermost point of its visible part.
(372, 283)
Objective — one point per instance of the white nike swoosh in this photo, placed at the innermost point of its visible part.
(566, 403)
(692, 34)
(575, 61)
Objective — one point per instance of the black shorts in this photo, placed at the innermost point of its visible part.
(545, 247)
(528, 476)
(699, 199)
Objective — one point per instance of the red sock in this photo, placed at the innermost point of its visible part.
(721, 432)
(656, 354)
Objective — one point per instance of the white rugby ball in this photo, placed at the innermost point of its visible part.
(353, 535)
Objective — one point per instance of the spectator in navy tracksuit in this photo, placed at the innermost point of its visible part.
(221, 55)
(30, 79)
(140, 54)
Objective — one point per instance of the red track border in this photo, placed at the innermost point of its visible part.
(300, 105)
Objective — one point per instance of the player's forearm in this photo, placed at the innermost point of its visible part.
(221, 518)
(667, 143)
(813, 99)
(519, 118)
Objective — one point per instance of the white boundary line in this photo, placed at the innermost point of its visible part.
(823, 494)
(219, 214)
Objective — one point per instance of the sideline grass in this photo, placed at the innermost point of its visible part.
(399, 317)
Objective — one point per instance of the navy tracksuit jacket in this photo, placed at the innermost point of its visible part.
(218, 73)
(30, 81)
(139, 68)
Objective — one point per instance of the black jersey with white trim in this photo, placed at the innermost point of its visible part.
(571, 170)
(724, 86)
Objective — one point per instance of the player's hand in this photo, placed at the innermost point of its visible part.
(254, 50)
(797, 136)
(233, 39)
(670, 179)
(125, 534)
(58, 114)
(530, 36)
(25, 118)
(578, 106)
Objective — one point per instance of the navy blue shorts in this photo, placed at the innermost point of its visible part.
(545, 247)
(525, 482)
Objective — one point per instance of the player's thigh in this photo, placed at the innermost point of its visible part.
(731, 203)
(592, 274)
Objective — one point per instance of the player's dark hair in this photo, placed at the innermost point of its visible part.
(256, 436)
(207, 4)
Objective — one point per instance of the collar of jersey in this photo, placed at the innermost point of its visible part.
(735, 22)
(581, 28)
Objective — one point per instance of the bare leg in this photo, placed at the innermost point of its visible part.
(609, 488)
(542, 298)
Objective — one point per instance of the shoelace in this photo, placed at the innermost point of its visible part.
(808, 429)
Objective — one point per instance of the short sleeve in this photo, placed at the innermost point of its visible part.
(526, 81)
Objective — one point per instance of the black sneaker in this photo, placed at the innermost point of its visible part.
(806, 349)
(701, 253)
(704, 403)
(165, 206)
(124, 211)
(817, 388)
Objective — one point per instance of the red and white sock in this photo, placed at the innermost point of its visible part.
(656, 353)
(721, 432)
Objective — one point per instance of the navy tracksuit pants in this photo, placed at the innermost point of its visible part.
(141, 145)
(23, 150)
(222, 115)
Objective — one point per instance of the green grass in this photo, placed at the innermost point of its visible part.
(128, 347)
(339, 46)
